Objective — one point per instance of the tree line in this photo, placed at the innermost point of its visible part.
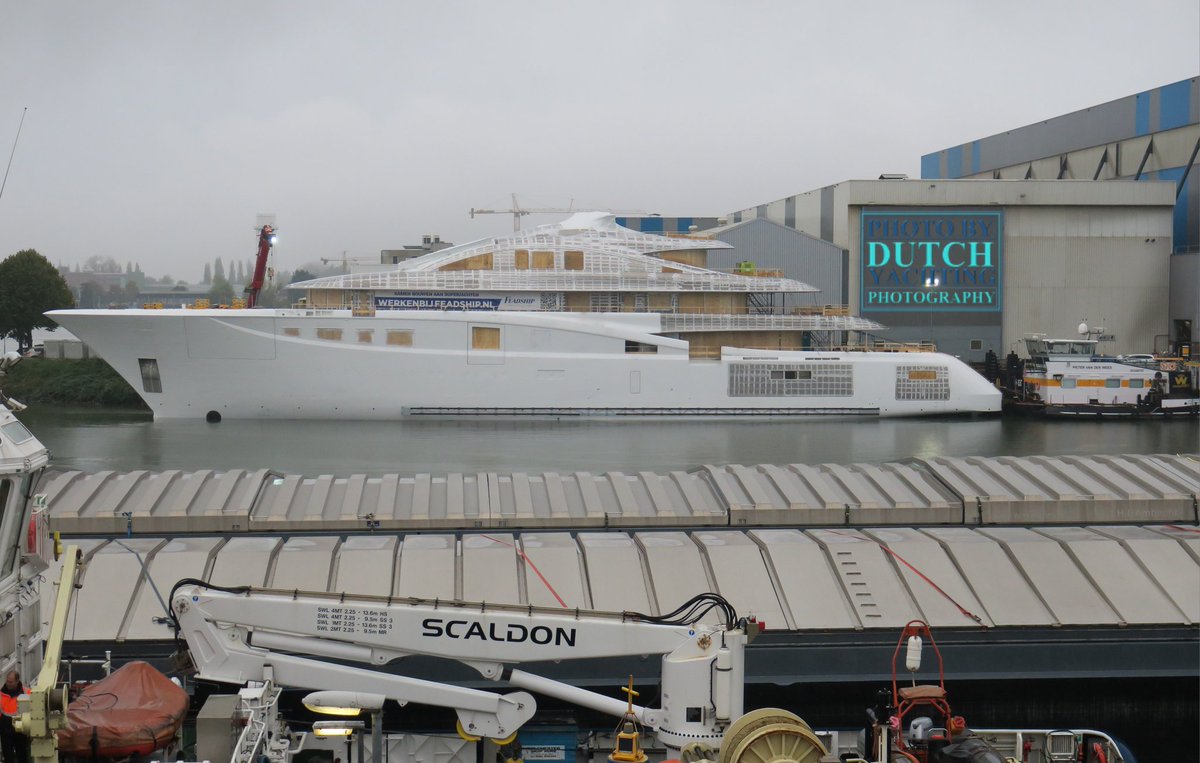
(30, 286)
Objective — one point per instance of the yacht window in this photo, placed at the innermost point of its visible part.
(365, 336)
(791, 375)
(334, 335)
(923, 374)
(485, 338)
(1068, 383)
(976, 344)
(1081, 348)
(632, 346)
(151, 381)
(521, 259)
(640, 302)
(291, 331)
(1137, 383)
(543, 260)
(399, 338)
(605, 302)
(1112, 383)
(572, 260)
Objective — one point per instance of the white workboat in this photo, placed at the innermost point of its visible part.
(583, 317)
(1065, 377)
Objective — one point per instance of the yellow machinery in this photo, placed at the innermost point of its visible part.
(629, 733)
(44, 711)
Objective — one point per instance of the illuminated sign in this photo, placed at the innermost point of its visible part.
(461, 300)
(930, 260)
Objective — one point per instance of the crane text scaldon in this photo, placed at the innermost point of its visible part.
(435, 627)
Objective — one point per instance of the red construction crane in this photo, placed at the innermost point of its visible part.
(266, 239)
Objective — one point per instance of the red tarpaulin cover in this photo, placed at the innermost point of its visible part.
(135, 710)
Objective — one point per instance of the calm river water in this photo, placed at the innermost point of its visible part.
(95, 440)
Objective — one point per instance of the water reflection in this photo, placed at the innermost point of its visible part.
(95, 440)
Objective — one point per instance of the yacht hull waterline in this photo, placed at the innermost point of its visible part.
(312, 364)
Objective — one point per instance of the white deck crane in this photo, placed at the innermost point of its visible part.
(241, 635)
(291, 639)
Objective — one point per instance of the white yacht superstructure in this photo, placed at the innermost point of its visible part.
(584, 317)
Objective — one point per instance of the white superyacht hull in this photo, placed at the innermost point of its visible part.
(312, 364)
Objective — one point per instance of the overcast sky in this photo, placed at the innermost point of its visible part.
(156, 131)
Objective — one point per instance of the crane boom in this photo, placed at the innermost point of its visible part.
(240, 635)
(517, 211)
(266, 239)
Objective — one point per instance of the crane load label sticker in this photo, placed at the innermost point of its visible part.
(367, 622)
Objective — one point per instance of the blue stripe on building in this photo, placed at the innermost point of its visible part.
(1174, 105)
(652, 225)
(975, 157)
(683, 224)
(1141, 114)
(931, 166)
(954, 162)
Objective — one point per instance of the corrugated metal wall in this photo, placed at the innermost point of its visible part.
(772, 246)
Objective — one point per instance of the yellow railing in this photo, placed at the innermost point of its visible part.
(821, 310)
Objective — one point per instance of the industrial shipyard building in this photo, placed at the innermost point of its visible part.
(1092, 217)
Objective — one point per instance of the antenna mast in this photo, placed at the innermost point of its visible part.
(13, 152)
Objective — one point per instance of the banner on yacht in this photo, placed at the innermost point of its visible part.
(464, 300)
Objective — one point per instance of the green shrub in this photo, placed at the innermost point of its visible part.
(69, 382)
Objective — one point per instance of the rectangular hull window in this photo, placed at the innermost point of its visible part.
(485, 338)
(922, 383)
(399, 338)
(151, 381)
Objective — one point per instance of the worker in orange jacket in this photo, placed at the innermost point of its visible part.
(14, 745)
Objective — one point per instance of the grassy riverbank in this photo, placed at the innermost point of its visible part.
(68, 382)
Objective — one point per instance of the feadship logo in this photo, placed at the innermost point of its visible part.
(515, 633)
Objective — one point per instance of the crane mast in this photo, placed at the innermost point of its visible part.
(266, 239)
